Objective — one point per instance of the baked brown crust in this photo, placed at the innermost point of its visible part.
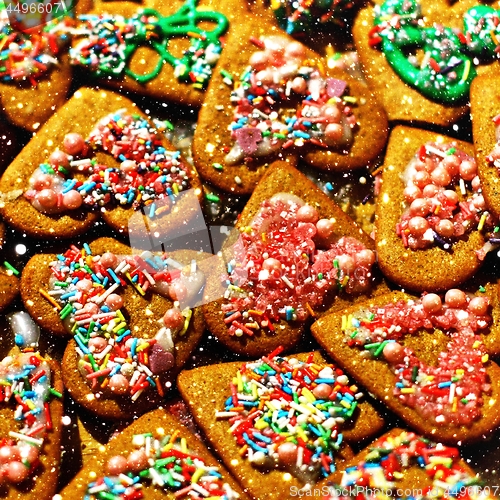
(378, 377)
(431, 269)
(121, 445)
(212, 139)
(143, 314)
(205, 390)
(74, 117)
(279, 178)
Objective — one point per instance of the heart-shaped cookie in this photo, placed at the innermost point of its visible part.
(276, 99)
(209, 389)
(294, 254)
(414, 354)
(128, 342)
(145, 172)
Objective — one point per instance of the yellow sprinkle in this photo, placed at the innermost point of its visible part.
(447, 461)
(271, 406)
(476, 344)
(398, 475)
(308, 395)
(485, 358)
(454, 406)
(243, 450)
(105, 382)
(175, 188)
(135, 285)
(197, 474)
(105, 362)
(482, 220)
(407, 390)
(329, 50)
(255, 394)
(466, 71)
(143, 346)
(239, 381)
(183, 445)
(261, 424)
(343, 327)
(352, 100)
(345, 404)
(459, 371)
(119, 326)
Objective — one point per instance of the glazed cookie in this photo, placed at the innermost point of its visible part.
(183, 467)
(423, 357)
(117, 165)
(30, 416)
(35, 71)
(293, 253)
(166, 50)
(274, 98)
(429, 210)
(128, 342)
(485, 108)
(420, 57)
(402, 462)
(278, 422)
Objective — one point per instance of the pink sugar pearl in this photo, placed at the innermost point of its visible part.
(118, 384)
(419, 166)
(479, 305)
(445, 228)
(173, 319)
(412, 192)
(271, 264)
(450, 196)
(117, 465)
(432, 302)
(30, 453)
(418, 226)
(468, 170)
(114, 301)
(322, 391)
(6, 454)
(41, 181)
(178, 291)
(365, 258)
(84, 285)
(295, 49)
(307, 213)
(455, 298)
(346, 263)
(259, 60)
(334, 132)
(420, 207)
(287, 453)
(394, 353)
(73, 143)
(430, 190)
(72, 200)
(452, 164)
(16, 472)
(47, 198)
(91, 308)
(299, 85)
(265, 77)
(97, 344)
(332, 113)
(421, 179)
(137, 461)
(440, 176)
(59, 159)
(325, 228)
(109, 259)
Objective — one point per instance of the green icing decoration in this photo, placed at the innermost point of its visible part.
(446, 69)
(110, 41)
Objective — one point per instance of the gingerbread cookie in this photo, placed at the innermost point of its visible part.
(182, 466)
(423, 357)
(35, 71)
(9, 283)
(430, 210)
(280, 398)
(294, 252)
(31, 433)
(99, 295)
(485, 107)
(403, 463)
(420, 57)
(275, 98)
(118, 165)
(164, 50)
